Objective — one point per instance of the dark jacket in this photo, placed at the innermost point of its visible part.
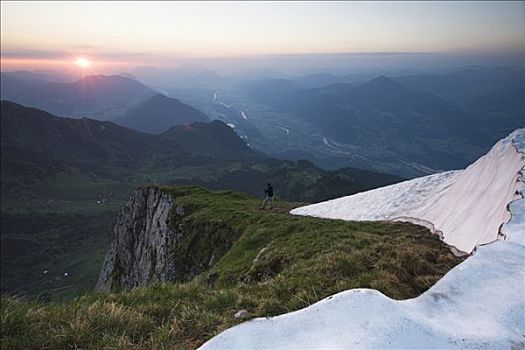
(269, 191)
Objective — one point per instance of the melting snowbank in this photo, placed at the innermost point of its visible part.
(478, 304)
(471, 210)
(385, 203)
(465, 207)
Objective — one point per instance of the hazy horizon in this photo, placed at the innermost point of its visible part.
(292, 37)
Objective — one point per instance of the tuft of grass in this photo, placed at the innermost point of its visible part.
(266, 262)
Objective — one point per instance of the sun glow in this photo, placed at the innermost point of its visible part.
(83, 62)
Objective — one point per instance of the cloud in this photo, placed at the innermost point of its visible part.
(32, 54)
(79, 50)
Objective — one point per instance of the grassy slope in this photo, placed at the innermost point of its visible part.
(40, 248)
(56, 225)
(73, 194)
(63, 167)
(276, 263)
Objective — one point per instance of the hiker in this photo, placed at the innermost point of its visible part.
(269, 197)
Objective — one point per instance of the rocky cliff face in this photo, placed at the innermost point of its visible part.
(140, 252)
(158, 240)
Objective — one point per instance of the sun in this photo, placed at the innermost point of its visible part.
(83, 62)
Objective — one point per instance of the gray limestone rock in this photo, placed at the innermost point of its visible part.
(140, 252)
(242, 314)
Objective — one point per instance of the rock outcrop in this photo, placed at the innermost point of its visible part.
(158, 240)
(140, 252)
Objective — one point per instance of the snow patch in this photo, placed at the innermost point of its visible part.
(383, 203)
(479, 304)
(465, 207)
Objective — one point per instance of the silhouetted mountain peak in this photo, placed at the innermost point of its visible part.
(100, 78)
(128, 75)
(95, 78)
(214, 138)
(158, 113)
(213, 126)
(382, 83)
(160, 98)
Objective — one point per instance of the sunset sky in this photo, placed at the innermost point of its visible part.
(39, 34)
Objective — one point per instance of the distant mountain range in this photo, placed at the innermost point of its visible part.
(97, 96)
(32, 136)
(158, 113)
(495, 97)
(470, 86)
(409, 125)
(43, 75)
(378, 109)
(36, 146)
(35, 134)
(414, 119)
(186, 76)
(120, 98)
(62, 180)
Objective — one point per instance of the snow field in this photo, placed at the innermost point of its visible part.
(479, 304)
